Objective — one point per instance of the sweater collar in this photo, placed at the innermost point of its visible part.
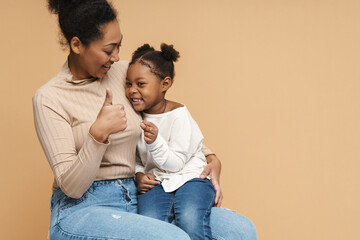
(67, 75)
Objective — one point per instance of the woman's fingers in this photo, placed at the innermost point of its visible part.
(206, 172)
(218, 195)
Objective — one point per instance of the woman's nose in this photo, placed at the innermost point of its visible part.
(115, 57)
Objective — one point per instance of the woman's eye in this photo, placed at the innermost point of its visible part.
(108, 53)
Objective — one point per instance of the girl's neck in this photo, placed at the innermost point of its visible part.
(158, 108)
(170, 105)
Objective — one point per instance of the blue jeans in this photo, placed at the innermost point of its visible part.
(189, 206)
(108, 210)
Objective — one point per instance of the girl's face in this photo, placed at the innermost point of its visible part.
(144, 89)
(96, 58)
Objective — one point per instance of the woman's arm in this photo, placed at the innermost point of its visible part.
(74, 171)
(213, 170)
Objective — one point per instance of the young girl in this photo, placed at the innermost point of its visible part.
(169, 146)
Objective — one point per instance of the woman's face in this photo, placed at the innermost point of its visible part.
(96, 58)
(144, 89)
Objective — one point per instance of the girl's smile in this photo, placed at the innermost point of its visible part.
(144, 89)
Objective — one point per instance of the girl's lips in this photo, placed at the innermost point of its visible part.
(136, 101)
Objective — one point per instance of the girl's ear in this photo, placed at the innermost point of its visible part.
(166, 83)
(76, 45)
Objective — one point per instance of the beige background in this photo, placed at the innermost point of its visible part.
(273, 84)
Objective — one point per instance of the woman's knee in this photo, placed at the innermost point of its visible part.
(227, 224)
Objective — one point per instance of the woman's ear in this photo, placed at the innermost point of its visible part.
(76, 45)
(166, 83)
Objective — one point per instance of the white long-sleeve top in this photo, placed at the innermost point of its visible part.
(175, 156)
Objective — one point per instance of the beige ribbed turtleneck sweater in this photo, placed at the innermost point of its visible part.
(64, 110)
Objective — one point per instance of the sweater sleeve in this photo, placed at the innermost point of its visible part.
(206, 151)
(74, 171)
(139, 167)
(173, 155)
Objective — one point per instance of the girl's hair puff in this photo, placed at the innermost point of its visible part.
(161, 63)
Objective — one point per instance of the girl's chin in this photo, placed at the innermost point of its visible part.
(138, 108)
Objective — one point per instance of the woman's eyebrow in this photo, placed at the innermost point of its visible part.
(114, 44)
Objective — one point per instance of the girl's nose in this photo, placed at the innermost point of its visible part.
(133, 89)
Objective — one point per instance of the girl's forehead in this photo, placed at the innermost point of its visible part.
(138, 69)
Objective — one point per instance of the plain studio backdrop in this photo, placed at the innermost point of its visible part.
(273, 84)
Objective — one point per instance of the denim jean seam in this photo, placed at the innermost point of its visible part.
(217, 238)
(208, 211)
(84, 237)
(170, 209)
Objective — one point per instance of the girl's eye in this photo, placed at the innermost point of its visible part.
(140, 84)
(128, 84)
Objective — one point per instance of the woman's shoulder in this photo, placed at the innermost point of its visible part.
(118, 70)
(120, 66)
(47, 90)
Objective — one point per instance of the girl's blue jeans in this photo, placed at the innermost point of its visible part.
(188, 207)
(108, 210)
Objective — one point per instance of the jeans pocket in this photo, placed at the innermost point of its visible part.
(68, 202)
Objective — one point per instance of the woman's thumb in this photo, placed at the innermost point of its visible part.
(108, 98)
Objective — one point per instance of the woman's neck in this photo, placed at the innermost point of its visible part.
(76, 68)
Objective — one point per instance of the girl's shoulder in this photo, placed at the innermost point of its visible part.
(173, 105)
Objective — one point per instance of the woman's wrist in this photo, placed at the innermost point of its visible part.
(98, 133)
(215, 163)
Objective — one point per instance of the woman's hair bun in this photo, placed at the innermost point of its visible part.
(55, 6)
(169, 52)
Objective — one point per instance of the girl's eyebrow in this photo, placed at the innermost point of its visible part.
(136, 79)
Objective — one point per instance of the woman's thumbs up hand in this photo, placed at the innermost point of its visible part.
(111, 119)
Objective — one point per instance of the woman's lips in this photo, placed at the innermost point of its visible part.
(106, 67)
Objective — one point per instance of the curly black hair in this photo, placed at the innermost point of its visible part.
(82, 18)
(161, 63)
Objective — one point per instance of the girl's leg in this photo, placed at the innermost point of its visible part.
(156, 203)
(106, 211)
(193, 203)
(226, 225)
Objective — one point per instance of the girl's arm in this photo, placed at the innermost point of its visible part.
(173, 155)
(145, 182)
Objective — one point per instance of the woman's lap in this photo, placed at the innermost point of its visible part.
(108, 211)
(99, 222)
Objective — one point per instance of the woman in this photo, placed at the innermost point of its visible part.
(89, 131)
